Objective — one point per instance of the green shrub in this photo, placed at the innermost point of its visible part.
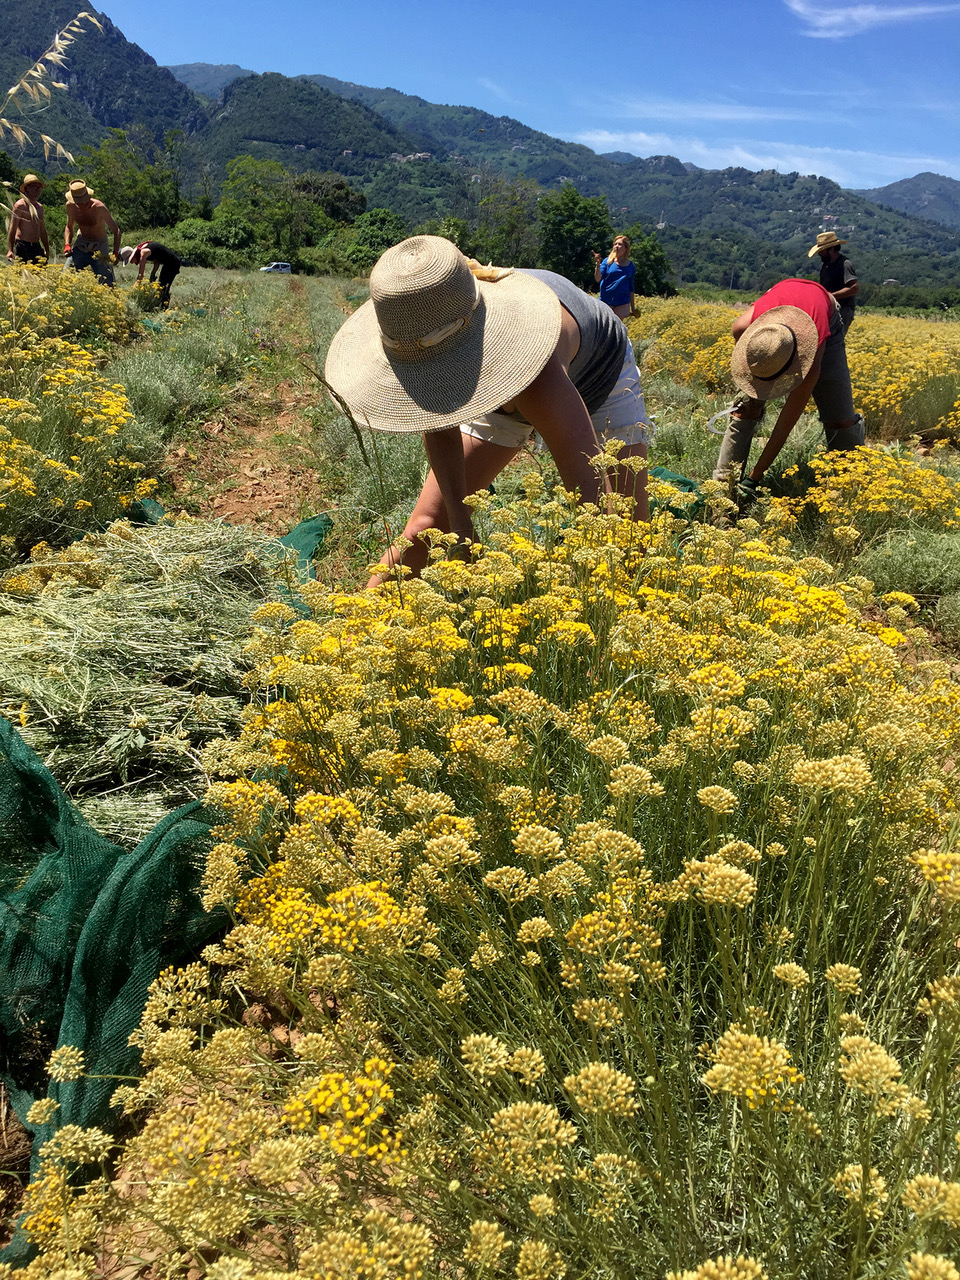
(922, 563)
(947, 618)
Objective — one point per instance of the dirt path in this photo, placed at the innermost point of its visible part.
(254, 463)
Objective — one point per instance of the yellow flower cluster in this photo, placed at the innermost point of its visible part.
(754, 1068)
(65, 454)
(872, 489)
(522, 953)
(52, 303)
(346, 1111)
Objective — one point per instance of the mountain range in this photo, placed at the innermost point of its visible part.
(427, 160)
(928, 195)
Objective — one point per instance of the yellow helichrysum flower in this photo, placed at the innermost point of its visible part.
(844, 978)
(840, 774)
(537, 1261)
(928, 1266)
(601, 1089)
(792, 975)
(753, 1068)
(485, 1243)
(65, 1064)
(942, 870)
(527, 1142)
(719, 799)
(927, 1195)
(725, 1268)
(869, 1192)
(716, 882)
(484, 1056)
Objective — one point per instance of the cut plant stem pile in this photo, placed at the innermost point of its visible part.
(120, 657)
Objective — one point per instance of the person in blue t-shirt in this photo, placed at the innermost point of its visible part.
(615, 276)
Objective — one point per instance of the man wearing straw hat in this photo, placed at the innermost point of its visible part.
(837, 274)
(789, 343)
(94, 220)
(27, 232)
(475, 358)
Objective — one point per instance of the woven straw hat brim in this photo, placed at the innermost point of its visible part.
(819, 248)
(808, 340)
(510, 337)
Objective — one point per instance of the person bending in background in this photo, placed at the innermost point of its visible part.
(615, 276)
(161, 259)
(27, 233)
(476, 358)
(93, 220)
(789, 343)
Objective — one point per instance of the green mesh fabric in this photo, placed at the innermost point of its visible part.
(85, 927)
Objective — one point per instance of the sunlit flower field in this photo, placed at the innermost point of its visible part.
(594, 915)
(905, 372)
(592, 903)
(65, 449)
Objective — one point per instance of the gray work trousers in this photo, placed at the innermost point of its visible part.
(94, 254)
(832, 395)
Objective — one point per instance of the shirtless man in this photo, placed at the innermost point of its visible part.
(93, 218)
(27, 232)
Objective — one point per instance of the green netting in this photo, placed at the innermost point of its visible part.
(85, 927)
(685, 485)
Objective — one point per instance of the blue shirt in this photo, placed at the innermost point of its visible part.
(616, 282)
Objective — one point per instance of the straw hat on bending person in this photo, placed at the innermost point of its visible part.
(435, 346)
(476, 358)
(775, 353)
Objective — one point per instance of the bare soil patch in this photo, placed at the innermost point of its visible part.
(253, 463)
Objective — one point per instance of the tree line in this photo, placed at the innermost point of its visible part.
(319, 222)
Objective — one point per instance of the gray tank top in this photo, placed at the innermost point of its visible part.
(603, 339)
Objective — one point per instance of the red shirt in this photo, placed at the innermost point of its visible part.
(806, 295)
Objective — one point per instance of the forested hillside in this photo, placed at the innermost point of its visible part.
(928, 195)
(112, 82)
(732, 218)
(209, 78)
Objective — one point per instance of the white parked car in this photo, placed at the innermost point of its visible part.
(278, 266)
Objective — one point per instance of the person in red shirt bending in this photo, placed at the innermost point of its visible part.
(790, 342)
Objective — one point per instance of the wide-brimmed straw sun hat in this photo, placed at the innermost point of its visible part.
(28, 180)
(78, 188)
(825, 240)
(434, 345)
(775, 353)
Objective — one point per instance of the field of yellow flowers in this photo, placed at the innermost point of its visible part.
(593, 914)
(905, 372)
(65, 454)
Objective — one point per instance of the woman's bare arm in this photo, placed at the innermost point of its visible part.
(445, 455)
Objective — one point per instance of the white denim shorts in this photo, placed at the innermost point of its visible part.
(622, 416)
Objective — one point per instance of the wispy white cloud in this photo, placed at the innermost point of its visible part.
(498, 91)
(828, 22)
(849, 168)
(678, 109)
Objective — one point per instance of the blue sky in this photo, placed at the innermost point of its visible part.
(863, 93)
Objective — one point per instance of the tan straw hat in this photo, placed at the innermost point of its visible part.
(825, 240)
(775, 353)
(435, 346)
(78, 188)
(28, 179)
